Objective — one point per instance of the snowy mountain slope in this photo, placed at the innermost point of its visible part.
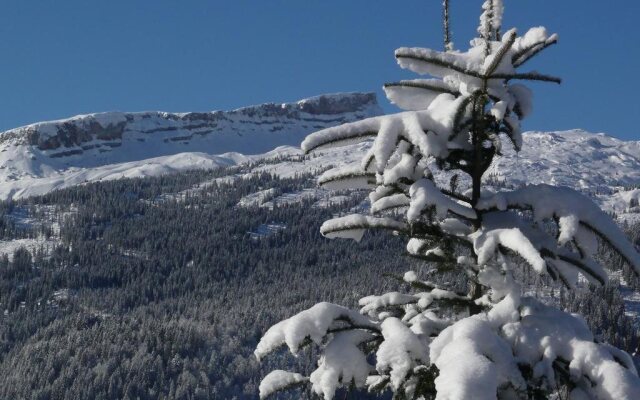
(47, 149)
(573, 158)
(33, 186)
(597, 164)
(576, 158)
(38, 158)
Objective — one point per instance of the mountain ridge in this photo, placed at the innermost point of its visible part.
(45, 156)
(93, 140)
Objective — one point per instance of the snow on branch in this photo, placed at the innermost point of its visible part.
(572, 209)
(424, 193)
(278, 380)
(388, 140)
(342, 135)
(530, 44)
(590, 269)
(437, 64)
(486, 244)
(427, 131)
(473, 361)
(388, 203)
(311, 324)
(434, 63)
(353, 226)
(376, 306)
(544, 336)
(448, 44)
(351, 177)
(506, 229)
(342, 363)
(417, 246)
(495, 59)
(491, 19)
(405, 169)
(373, 303)
(417, 94)
(400, 352)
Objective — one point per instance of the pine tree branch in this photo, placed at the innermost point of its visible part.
(441, 63)
(353, 326)
(390, 208)
(590, 227)
(529, 76)
(368, 161)
(500, 54)
(457, 215)
(611, 244)
(370, 176)
(456, 196)
(460, 113)
(380, 385)
(368, 223)
(421, 230)
(532, 76)
(528, 53)
(357, 136)
(422, 85)
(556, 274)
(401, 138)
(423, 285)
(286, 388)
(581, 265)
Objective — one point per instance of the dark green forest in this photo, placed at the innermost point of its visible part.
(151, 295)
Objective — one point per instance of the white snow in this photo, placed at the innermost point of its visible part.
(544, 335)
(572, 208)
(354, 226)
(42, 157)
(486, 243)
(390, 203)
(424, 193)
(401, 351)
(342, 363)
(8, 247)
(348, 177)
(374, 303)
(414, 95)
(312, 324)
(488, 362)
(278, 380)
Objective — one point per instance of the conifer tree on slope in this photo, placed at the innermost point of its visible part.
(419, 344)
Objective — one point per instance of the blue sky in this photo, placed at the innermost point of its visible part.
(61, 58)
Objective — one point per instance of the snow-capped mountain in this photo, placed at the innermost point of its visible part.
(60, 153)
(38, 158)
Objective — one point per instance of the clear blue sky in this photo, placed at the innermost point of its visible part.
(61, 58)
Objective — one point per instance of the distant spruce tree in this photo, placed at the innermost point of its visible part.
(489, 341)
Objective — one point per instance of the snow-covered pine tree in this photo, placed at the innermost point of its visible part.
(420, 345)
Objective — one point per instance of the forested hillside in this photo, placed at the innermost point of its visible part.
(149, 288)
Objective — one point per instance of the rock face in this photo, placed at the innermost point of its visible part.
(91, 140)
